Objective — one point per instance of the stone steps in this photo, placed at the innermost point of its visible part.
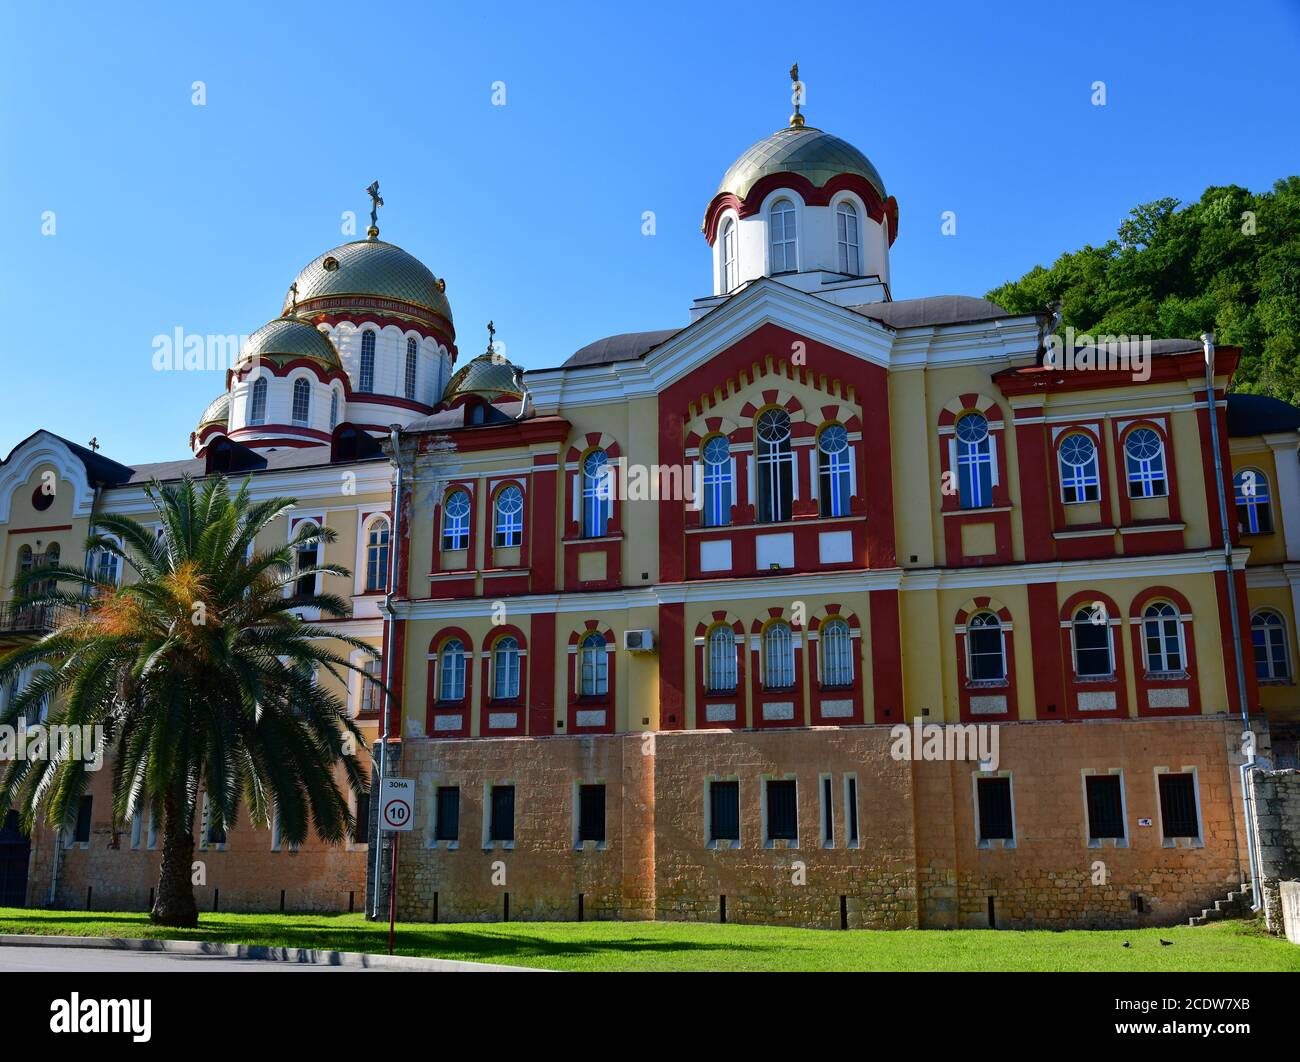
(1235, 905)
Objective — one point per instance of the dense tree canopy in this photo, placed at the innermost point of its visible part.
(1229, 263)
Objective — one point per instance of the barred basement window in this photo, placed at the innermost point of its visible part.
(994, 809)
(782, 810)
(1178, 806)
(591, 813)
(501, 825)
(446, 814)
(1105, 807)
(724, 811)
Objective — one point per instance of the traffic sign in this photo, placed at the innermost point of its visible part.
(397, 805)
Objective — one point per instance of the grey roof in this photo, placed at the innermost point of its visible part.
(280, 460)
(932, 310)
(1260, 415)
(627, 346)
(452, 419)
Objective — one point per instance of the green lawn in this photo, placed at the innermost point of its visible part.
(598, 946)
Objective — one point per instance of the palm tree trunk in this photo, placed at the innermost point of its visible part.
(175, 904)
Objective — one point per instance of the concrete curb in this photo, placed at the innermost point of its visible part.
(308, 956)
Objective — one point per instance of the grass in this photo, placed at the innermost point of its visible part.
(610, 946)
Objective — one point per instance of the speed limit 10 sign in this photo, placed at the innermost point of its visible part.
(397, 805)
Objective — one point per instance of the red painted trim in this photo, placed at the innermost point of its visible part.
(1035, 504)
(886, 657)
(541, 692)
(1229, 657)
(1050, 701)
(1145, 684)
(605, 702)
(758, 694)
(436, 709)
(879, 210)
(704, 698)
(820, 693)
(672, 664)
(435, 326)
(518, 705)
(1115, 684)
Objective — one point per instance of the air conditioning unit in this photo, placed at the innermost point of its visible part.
(639, 641)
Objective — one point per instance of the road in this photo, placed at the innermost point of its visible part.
(98, 960)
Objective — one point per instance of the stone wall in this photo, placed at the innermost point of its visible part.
(1276, 799)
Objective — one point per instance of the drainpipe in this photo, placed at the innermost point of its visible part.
(395, 441)
(1207, 339)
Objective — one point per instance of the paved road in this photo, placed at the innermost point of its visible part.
(96, 960)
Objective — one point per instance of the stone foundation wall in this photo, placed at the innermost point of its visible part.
(1276, 799)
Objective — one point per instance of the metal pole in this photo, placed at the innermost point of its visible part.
(392, 895)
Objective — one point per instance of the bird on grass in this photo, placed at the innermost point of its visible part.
(1127, 944)
(1166, 943)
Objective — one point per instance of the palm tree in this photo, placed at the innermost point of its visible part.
(201, 675)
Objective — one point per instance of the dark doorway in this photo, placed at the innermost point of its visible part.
(15, 851)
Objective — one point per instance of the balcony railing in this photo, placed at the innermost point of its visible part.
(32, 619)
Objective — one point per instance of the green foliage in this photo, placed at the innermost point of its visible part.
(1229, 263)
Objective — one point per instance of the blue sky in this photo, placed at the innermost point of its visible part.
(170, 215)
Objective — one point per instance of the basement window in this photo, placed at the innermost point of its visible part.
(994, 800)
(782, 810)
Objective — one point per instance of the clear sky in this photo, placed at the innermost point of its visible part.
(170, 215)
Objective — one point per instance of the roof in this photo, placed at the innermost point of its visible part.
(1260, 415)
(626, 346)
(805, 150)
(99, 469)
(451, 419)
(370, 268)
(290, 337)
(489, 374)
(932, 310)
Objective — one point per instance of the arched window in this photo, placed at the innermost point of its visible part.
(258, 412)
(455, 521)
(986, 658)
(717, 481)
(775, 466)
(366, 383)
(1092, 647)
(594, 664)
(836, 654)
(1077, 456)
(411, 364)
(1268, 634)
(1164, 639)
(846, 229)
(720, 667)
(106, 566)
(377, 554)
(509, 517)
(778, 657)
(505, 669)
(781, 230)
(728, 255)
(451, 671)
(25, 562)
(833, 470)
(301, 401)
(974, 462)
(1254, 513)
(597, 494)
(1144, 457)
(334, 410)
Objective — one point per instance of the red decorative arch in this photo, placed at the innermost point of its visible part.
(591, 714)
(1082, 694)
(717, 701)
(967, 689)
(515, 706)
(766, 703)
(880, 210)
(1153, 700)
(448, 719)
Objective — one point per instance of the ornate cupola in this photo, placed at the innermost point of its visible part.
(803, 206)
(485, 381)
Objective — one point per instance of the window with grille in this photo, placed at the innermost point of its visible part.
(1164, 643)
(717, 482)
(720, 668)
(783, 241)
(985, 648)
(1077, 457)
(301, 401)
(833, 484)
(778, 657)
(994, 809)
(591, 813)
(974, 448)
(1105, 806)
(1144, 458)
(446, 813)
(782, 810)
(724, 811)
(1254, 515)
(1092, 645)
(501, 824)
(451, 671)
(411, 364)
(1268, 636)
(1178, 806)
(775, 466)
(455, 521)
(366, 380)
(846, 231)
(837, 655)
(509, 517)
